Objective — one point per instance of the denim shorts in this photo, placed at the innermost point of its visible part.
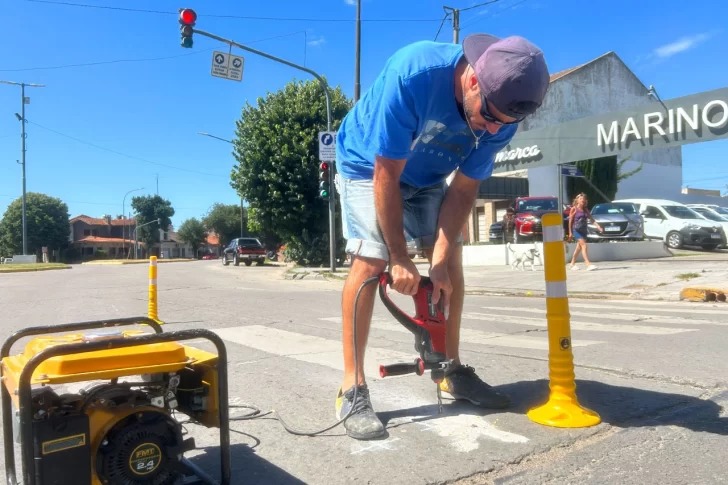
(420, 211)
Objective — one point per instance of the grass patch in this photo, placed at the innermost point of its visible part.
(663, 284)
(687, 276)
(25, 268)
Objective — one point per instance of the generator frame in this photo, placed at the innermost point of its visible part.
(24, 388)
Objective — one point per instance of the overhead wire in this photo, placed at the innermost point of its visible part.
(485, 16)
(124, 154)
(226, 16)
(447, 15)
(147, 59)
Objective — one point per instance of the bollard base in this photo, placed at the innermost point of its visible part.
(561, 413)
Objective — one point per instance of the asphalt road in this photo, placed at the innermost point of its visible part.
(656, 373)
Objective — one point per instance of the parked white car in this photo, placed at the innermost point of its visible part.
(678, 225)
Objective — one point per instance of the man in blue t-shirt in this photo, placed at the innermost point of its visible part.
(435, 109)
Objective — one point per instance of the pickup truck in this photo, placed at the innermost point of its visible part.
(245, 249)
(529, 211)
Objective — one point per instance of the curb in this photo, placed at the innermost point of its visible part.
(703, 293)
(32, 270)
(137, 261)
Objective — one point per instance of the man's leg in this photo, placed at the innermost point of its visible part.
(369, 258)
(461, 382)
(361, 270)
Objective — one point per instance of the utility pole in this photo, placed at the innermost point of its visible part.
(21, 118)
(455, 26)
(455, 12)
(357, 85)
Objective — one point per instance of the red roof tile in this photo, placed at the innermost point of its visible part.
(212, 239)
(98, 221)
(112, 240)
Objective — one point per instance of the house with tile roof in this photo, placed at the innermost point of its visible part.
(115, 237)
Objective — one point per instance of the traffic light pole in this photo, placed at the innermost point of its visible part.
(332, 200)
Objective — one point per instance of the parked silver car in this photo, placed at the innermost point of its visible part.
(620, 221)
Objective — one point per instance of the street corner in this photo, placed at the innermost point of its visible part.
(704, 293)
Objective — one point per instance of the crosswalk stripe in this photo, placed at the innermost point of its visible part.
(476, 336)
(462, 431)
(630, 317)
(593, 327)
(685, 307)
(308, 348)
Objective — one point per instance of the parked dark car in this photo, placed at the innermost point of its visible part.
(245, 249)
(620, 221)
(495, 232)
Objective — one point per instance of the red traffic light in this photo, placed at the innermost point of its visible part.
(324, 166)
(187, 16)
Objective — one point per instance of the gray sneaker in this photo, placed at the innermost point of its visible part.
(462, 383)
(363, 423)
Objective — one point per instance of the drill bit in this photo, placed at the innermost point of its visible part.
(439, 398)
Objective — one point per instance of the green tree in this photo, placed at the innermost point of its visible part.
(149, 208)
(193, 232)
(276, 149)
(604, 173)
(47, 224)
(224, 220)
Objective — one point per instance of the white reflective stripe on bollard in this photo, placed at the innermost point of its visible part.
(553, 233)
(556, 289)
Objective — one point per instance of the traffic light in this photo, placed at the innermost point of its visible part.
(324, 178)
(187, 19)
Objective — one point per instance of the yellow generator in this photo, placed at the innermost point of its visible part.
(115, 432)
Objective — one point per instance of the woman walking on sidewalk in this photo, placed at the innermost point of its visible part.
(578, 219)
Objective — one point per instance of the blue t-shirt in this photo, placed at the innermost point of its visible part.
(411, 113)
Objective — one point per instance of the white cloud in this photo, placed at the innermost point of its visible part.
(681, 45)
(317, 42)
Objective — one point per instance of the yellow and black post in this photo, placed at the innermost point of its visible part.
(562, 409)
(153, 308)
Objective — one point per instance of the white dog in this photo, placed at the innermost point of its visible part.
(525, 256)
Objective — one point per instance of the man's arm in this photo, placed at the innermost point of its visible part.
(458, 203)
(388, 206)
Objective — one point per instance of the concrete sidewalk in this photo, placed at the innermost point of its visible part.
(655, 279)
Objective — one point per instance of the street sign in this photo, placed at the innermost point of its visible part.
(327, 146)
(227, 66)
(26, 100)
(571, 171)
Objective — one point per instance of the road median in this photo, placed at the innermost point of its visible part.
(28, 268)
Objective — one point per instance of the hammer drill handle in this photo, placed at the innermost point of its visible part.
(417, 367)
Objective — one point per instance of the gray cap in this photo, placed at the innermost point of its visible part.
(511, 72)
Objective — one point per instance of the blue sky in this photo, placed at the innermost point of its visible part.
(152, 110)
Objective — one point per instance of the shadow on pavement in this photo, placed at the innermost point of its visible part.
(247, 467)
(629, 407)
(624, 407)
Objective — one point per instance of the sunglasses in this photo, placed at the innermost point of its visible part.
(488, 116)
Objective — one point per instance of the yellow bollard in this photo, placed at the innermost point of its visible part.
(153, 289)
(562, 409)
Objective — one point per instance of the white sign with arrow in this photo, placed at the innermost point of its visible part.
(227, 66)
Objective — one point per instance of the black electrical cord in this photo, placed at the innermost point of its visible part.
(256, 413)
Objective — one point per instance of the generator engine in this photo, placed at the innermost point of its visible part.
(121, 427)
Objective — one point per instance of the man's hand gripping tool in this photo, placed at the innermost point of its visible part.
(429, 326)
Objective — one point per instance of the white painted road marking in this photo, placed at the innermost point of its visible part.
(477, 337)
(308, 348)
(463, 431)
(685, 307)
(592, 327)
(358, 449)
(630, 317)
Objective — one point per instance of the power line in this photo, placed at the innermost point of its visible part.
(478, 5)
(124, 154)
(147, 59)
(490, 15)
(223, 16)
(447, 15)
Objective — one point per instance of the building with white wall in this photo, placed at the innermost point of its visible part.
(598, 87)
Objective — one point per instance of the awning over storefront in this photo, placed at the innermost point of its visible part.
(680, 121)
